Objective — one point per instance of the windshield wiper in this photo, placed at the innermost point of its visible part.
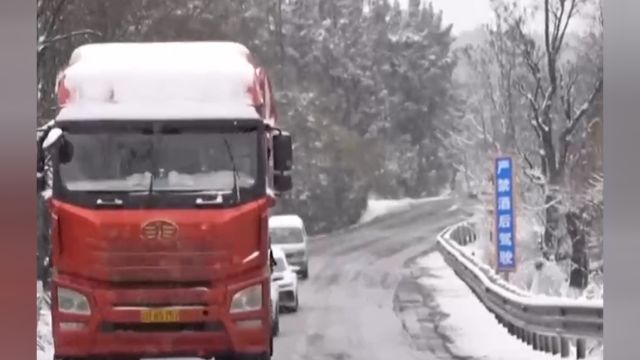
(151, 175)
(150, 191)
(236, 189)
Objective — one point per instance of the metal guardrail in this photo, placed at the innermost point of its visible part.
(548, 324)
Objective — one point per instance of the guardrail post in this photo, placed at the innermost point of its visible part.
(555, 345)
(543, 343)
(581, 349)
(536, 341)
(554, 338)
(548, 341)
(564, 347)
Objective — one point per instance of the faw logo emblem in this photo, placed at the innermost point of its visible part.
(159, 230)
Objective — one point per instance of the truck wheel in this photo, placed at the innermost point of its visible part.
(296, 304)
(97, 358)
(276, 325)
(244, 357)
(257, 357)
(271, 345)
(304, 274)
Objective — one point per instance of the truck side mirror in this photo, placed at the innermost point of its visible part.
(65, 152)
(282, 152)
(54, 138)
(41, 183)
(282, 182)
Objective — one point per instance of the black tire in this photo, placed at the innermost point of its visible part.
(226, 357)
(276, 325)
(304, 273)
(244, 357)
(296, 305)
(97, 358)
(271, 345)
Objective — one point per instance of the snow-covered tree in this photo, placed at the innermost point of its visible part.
(538, 96)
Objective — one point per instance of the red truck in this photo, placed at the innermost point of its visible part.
(163, 163)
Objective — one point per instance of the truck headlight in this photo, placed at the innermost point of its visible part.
(248, 299)
(72, 302)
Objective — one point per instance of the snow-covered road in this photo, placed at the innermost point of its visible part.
(374, 294)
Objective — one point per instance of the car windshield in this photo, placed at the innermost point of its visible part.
(285, 235)
(189, 161)
(280, 265)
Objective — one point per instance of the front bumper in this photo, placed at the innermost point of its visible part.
(287, 294)
(287, 298)
(205, 330)
(204, 345)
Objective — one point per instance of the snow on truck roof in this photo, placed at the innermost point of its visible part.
(291, 221)
(159, 81)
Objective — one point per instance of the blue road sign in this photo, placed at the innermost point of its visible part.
(504, 212)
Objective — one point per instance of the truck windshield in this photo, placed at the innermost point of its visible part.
(187, 162)
(285, 235)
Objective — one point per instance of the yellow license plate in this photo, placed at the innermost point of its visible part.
(159, 316)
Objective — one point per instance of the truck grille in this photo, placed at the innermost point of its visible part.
(109, 327)
(168, 269)
(142, 303)
(125, 285)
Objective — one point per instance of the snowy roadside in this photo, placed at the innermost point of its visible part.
(44, 338)
(380, 207)
(474, 331)
(533, 274)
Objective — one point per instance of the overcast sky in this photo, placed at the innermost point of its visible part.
(469, 14)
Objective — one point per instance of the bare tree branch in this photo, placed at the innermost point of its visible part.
(54, 17)
(570, 15)
(547, 43)
(566, 97)
(543, 207)
(557, 23)
(597, 88)
(54, 39)
(538, 126)
(568, 131)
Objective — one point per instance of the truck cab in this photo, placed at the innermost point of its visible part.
(163, 164)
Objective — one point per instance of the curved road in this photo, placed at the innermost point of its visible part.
(361, 301)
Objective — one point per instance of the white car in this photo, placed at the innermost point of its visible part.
(275, 307)
(288, 233)
(287, 280)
